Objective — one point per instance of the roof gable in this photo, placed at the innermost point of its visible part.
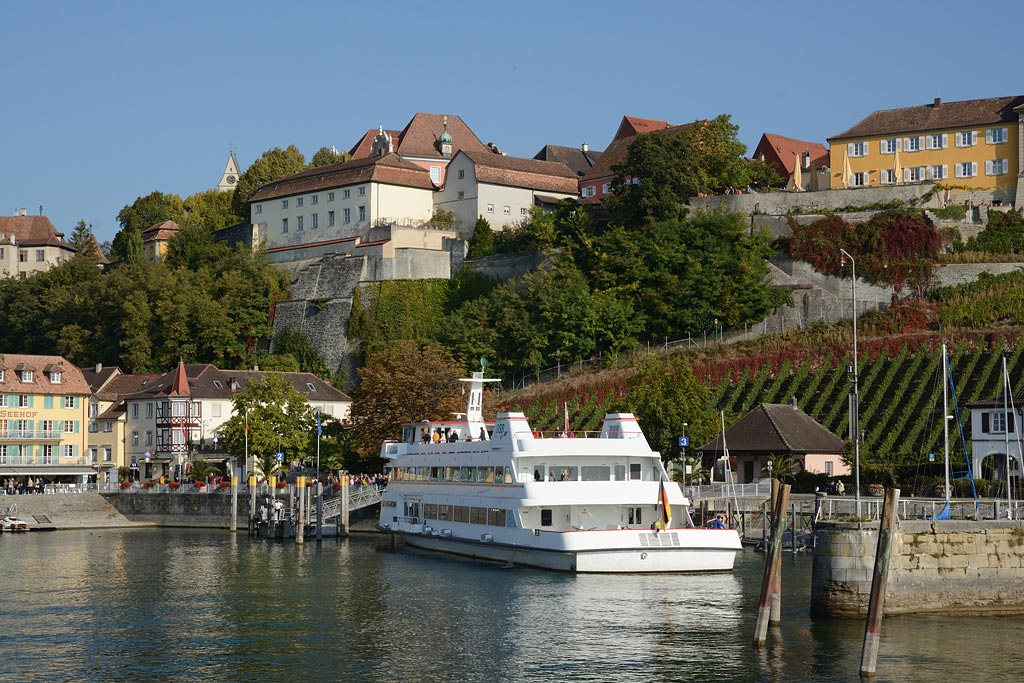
(779, 429)
(496, 169)
(781, 150)
(577, 159)
(31, 231)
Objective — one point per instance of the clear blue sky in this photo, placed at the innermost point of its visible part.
(103, 102)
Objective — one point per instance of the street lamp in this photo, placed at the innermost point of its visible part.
(855, 396)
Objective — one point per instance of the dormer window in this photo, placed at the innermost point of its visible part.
(55, 377)
(2, 375)
(25, 376)
(310, 385)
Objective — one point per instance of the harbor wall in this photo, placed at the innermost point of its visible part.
(944, 567)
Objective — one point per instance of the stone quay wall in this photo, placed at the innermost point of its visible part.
(944, 567)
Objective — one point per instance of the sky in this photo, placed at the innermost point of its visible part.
(102, 102)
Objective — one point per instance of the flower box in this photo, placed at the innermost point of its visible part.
(174, 485)
(281, 484)
(336, 486)
(225, 484)
(147, 485)
(199, 485)
(126, 484)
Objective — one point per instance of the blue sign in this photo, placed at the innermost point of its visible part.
(931, 457)
(279, 456)
(684, 441)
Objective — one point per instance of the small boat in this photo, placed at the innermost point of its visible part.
(596, 502)
(14, 524)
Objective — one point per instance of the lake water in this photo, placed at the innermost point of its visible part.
(189, 605)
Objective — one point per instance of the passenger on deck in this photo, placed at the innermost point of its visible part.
(537, 476)
(437, 435)
(453, 437)
(718, 522)
(483, 434)
(425, 435)
(565, 475)
(551, 476)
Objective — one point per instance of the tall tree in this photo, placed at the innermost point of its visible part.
(273, 164)
(80, 235)
(401, 383)
(141, 214)
(325, 156)
(663, 169)
(211, 210)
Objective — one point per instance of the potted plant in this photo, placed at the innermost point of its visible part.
(126, 484)
(225, 483)
(174, 485)
(336, 486)
(147, 484)
(199, 484)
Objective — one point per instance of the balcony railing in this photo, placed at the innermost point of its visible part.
(32, 435)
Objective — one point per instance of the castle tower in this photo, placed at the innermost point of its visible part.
(229, 179)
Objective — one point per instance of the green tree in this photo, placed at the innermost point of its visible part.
(193, 248)
(325, 156)
(664, 394)
(764, 175)
(80, 235)
(663, 169)
(783, 468)
(482, 242)
(296, 345)
(143, 213)
(273, 164)
(273, 415)
(211, 210)
(401, 383)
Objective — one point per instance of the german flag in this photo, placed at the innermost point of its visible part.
(666, 509)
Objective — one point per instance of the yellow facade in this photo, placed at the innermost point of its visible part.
(43, 403)
(963, 157)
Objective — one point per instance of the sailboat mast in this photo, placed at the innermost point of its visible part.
(945, 415)
(1006, 438)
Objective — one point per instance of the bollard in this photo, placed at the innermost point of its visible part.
(319, 510)
(344, 504)
(771, 585)
(234, 503)
(252, 503)
(300, 526)
(879, 581)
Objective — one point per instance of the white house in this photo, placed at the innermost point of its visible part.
(500, 188)
(182, 411)
(308, 213)
(995, 431)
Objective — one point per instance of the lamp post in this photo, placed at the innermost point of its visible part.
(855, 396)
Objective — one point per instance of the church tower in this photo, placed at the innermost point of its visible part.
(229, 179)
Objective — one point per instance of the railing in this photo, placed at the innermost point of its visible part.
(32, 435)
(759, 489)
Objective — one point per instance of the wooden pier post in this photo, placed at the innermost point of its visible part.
(300, 525)
(879, 581)
(234, 503)
(252, 504)
(319, 510)
(771, 585)
(344, 503)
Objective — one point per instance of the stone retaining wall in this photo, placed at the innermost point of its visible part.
(948, 567)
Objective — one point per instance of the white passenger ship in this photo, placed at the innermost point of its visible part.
(597, 502)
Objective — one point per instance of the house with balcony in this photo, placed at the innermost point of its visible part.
(973, 146)
(43, 402)
(108, 415)
(177, 417)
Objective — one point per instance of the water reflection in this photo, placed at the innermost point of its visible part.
(183, 605)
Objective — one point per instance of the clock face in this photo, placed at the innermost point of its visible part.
(231, 179)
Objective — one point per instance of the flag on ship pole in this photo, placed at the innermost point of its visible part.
(665, 512)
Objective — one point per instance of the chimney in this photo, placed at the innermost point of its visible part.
(99, 368)
(24, 212)
(805, 160)
(938, 101)
(792, 402)
(585, 147)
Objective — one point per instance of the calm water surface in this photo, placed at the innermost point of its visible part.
(188, 605)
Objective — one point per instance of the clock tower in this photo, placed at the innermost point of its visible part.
(229, 179)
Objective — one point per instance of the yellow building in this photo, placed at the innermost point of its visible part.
(155, 239)
(43, 402)
(973, 146)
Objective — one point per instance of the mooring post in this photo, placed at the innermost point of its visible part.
(344, 503)
(771, 585)
(792, 528)
(876, 603)
(300, 526)
(252, 503)
(234, 503)
(319, 510)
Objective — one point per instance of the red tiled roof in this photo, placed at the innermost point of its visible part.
(203, 380)
(31, 231)
(634, 125)
(420, 135)
(779, 149)
(71, 381)
(550, 176)
(390, 169)
(163, 230)
(619, 148)
(936, 116)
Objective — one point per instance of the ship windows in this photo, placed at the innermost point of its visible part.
(496, 517)
(634, 471)
(635, 517)
(545, 517)
(461, 513)
(478, 515)
(467, 474)
(596, 473)
(620, 473)
(430, 511)
(485, 475)
(444, 513)
(451, 473)
(436, 474)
